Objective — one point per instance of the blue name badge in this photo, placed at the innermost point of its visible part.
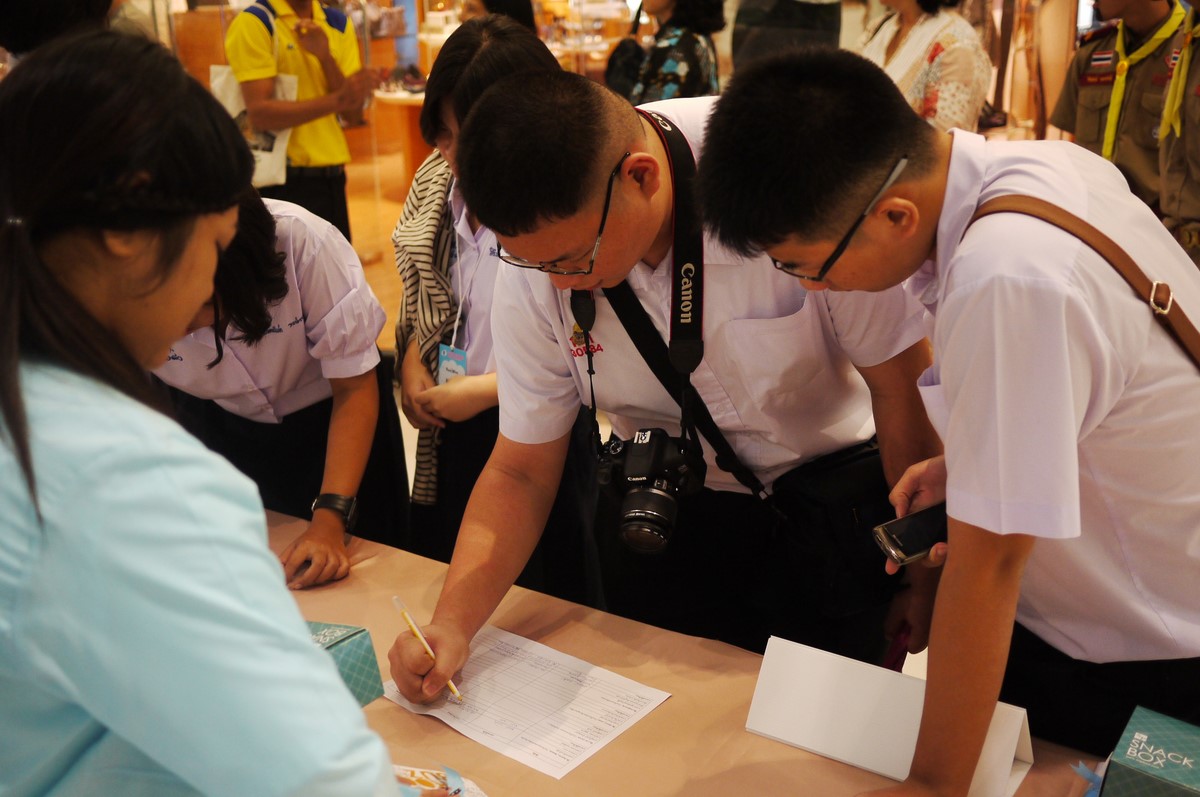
(452, 362)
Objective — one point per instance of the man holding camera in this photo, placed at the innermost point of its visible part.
(579, 185)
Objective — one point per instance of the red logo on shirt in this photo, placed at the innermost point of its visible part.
(578, 339)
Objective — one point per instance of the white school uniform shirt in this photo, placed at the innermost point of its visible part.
(473, 278)
(1066, 412)
(778, 370)
(325, 328)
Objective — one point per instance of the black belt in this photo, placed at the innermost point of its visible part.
(316, 171)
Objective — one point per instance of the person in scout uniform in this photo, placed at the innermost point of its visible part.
(1111, 101)
(1178, 155)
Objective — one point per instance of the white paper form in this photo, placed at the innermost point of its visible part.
(548, 710)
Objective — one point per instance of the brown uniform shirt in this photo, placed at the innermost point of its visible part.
(1179, 160)
(1082, 108)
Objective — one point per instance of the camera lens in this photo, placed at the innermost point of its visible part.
(647, 518)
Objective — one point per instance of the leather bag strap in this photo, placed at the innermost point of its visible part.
(1155, 293)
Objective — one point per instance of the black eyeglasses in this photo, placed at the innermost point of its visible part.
(552, 266)
(791, 268)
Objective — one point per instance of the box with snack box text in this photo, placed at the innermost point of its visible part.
(1158, 756)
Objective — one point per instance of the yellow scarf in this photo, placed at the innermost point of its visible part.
(1124, 63)
(1174, 101)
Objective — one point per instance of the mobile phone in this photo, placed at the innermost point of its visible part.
(909, 538)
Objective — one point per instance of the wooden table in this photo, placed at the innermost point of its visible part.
(694, 744)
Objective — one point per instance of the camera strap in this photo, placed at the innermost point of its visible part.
(686, 347)
(650, 344)
(672, 363)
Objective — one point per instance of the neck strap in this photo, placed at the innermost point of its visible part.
(686, 346)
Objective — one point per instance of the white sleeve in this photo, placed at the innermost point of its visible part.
(342, 317)
(166, 618)
(539, 397)
(1023, 365)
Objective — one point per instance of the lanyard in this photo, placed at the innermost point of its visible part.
(464, 290)
(1179, 76)
(1124, 64)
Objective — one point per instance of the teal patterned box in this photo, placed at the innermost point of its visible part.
(1157, 756)
(354, 655)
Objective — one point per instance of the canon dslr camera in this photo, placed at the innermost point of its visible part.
(651, 469)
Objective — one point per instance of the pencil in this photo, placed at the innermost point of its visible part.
(400, 607)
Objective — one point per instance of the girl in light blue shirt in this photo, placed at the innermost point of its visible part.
(148, 645)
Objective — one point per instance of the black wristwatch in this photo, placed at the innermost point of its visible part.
(344, 505)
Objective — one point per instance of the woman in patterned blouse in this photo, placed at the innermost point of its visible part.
(935, 57)
(683, 60)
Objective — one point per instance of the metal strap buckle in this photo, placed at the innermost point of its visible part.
(1155, 306)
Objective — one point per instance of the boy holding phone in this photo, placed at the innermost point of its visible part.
(1070, 419)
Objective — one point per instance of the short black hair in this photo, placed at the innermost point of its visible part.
(477, 54)
(520, 10)
(799, 143)
(251, 276)
(699, 16)
(534, 147)
(26, 25)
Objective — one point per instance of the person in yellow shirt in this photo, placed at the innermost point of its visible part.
(318, 45)
(1112, 98)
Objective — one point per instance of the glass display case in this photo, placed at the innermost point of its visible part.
(582, 33)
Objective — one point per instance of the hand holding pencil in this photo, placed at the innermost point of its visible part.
(414, 676)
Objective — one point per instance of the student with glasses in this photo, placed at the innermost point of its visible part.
(1070, 417)
(448, 263)
(578, 187)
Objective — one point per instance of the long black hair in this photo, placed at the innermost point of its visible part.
(251, 276)
(101, 132)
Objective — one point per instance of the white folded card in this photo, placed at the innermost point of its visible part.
(868, 717)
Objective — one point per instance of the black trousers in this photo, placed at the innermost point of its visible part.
(564, 563)
(321, 191)
(734, 571)
(1086, 705)
(287, 460)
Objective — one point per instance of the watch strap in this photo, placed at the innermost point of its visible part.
(344, 505)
